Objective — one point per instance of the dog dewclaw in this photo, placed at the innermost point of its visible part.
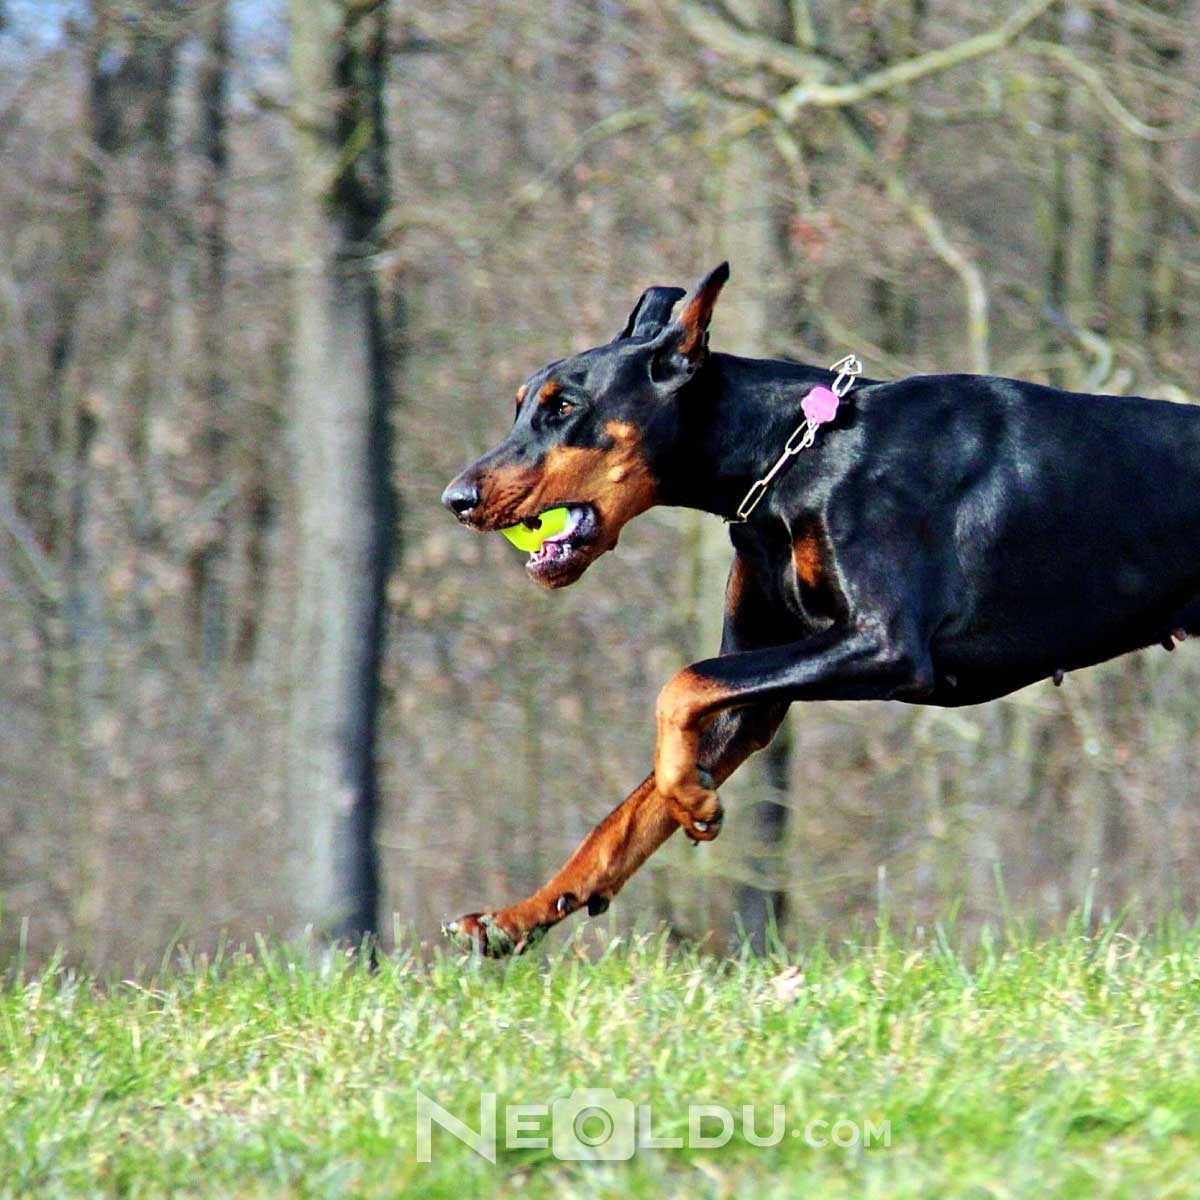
(552, 521)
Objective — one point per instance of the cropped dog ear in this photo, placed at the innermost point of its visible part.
(651, 312)
(681, 347)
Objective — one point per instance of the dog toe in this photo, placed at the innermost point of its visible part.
(704, 829)
(481, 933)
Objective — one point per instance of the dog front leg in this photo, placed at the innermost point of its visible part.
(597, 870)
(840, 664)
(615, 849)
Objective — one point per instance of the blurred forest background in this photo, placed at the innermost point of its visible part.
(270, 275)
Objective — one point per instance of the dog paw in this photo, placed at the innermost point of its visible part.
(486, 934)
(704, 829)
(698, 809)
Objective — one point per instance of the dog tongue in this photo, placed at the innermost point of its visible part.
(552, 521)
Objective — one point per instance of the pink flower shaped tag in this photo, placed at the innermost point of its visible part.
(820, 405)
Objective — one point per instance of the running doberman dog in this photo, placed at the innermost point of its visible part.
(946, 540)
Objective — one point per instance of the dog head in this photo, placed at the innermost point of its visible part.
(589, 432)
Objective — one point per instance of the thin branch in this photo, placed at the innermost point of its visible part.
(1093, 80)
(1101, 350)
(308, 122)
(1104, 358)
(754, 50)
(822, 95)
(615, 123)
(1155, 22)
(41, 568)
(917, 209)
(914, 206)
(810, 70)
(749, 49)
(1188, 200)
(840, 334)
(803, 28)
(754, 116)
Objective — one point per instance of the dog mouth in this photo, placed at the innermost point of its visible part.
(563, 555)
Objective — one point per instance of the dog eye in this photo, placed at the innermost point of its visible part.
(564, 408)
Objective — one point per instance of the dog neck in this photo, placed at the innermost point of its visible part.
(734, 420)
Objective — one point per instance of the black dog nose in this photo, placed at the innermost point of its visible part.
(460, 498)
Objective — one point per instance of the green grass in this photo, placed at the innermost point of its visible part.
(1067, 1066)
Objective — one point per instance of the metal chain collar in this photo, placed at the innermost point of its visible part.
(803, 436)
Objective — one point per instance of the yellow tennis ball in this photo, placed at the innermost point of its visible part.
(552, 521)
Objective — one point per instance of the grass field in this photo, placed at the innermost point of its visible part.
(1067, 1066)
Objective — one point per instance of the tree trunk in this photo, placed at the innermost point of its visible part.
(343, 501)
(207, 560)
(755, 236)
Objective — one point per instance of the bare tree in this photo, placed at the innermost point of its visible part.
(344, 507)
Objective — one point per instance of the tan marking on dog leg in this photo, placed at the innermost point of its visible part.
(685, 705)
(593, 875)
(807, 558)
(607, 858)
(735, 585)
